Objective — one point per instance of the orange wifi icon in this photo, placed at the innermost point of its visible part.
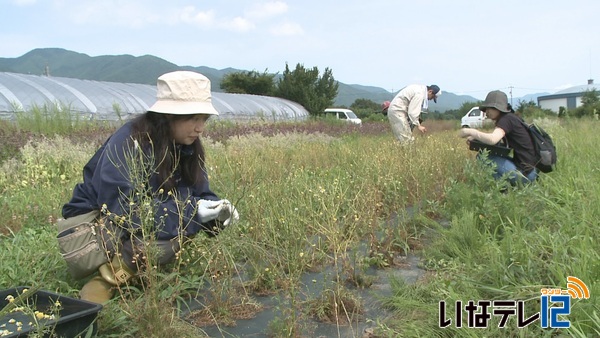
(577, 288)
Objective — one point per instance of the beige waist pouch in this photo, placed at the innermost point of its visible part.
(79, 242)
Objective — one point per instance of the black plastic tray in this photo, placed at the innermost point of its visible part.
(74, 317)
(498, 150)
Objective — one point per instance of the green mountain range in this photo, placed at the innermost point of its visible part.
(147, 68)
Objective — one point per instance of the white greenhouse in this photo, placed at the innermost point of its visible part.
(98, 100)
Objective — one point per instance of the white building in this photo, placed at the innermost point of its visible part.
(569, 98)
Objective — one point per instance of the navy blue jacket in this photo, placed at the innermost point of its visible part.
(106, 182)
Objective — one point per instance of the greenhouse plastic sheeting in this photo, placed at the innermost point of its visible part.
(99, 100)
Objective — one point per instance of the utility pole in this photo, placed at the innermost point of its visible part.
(591, 80)
(511, 88)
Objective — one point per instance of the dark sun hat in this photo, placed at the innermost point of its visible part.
(495, 99)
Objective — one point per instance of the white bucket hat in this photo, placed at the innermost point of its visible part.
(183, 93)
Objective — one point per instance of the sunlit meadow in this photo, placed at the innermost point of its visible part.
(309, 195)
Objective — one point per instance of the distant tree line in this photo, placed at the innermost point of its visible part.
(315, 92)
(303, 85)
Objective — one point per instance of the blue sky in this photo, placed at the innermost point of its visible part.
(466, 47)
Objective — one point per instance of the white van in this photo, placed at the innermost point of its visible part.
(343, 114)
(475, 118)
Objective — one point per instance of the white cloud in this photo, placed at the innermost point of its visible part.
(287, 29)
(239, 24)
(266, 10)
(193, 16)
(248, 21)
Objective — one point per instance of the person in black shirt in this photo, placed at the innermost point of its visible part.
(521, 167)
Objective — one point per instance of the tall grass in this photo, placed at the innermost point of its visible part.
(47, 121)
(51, 119)
(508, 246)
(308, 201)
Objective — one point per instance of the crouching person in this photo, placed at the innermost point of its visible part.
(520, 169)
(147, 183)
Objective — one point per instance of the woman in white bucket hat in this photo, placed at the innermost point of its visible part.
(159, 154)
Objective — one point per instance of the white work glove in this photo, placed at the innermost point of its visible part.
(229, 213)
(209, 210)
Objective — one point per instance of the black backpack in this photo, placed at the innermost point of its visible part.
(545, 150)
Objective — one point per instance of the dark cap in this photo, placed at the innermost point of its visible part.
(436, 91)
(496, 99)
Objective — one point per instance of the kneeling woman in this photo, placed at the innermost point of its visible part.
(155, 161)
(521, 168)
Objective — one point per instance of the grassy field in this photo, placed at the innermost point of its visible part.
(309, 194)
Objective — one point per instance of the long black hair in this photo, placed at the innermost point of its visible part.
(153, 131)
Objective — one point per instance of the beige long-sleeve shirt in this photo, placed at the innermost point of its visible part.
(410, 99)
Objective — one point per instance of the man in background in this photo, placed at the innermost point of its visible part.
(405, 109)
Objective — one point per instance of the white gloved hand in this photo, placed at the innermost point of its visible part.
(209, 210)
(229, 213)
